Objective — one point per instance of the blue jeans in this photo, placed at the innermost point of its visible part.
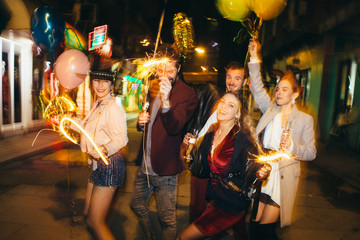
(165, 189)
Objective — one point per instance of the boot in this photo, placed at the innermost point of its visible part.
(267, 231)
(254, 230)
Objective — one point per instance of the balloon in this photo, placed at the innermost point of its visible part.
(47, 28)
(183, 32)
(71, 68)
(235, 10)
(267, 9)
(73, 38)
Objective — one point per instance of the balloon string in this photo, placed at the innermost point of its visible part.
(45, 129)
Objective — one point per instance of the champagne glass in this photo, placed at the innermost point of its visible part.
(192, 141)
(286, 133)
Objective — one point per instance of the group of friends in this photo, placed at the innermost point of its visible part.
(226, 146)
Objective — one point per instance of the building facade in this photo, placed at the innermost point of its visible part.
(321, 41)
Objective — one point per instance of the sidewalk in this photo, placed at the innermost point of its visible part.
(333, 158)
(31, 211)
(342, 162)
(21, 146)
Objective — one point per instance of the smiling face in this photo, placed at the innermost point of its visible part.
(101, 87)
(228, 108)
(234, 79)
(284, 93)
(168, 70)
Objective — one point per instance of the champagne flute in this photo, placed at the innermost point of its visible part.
(286, 133)
(192, 141)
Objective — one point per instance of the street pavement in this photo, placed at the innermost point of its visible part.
(326, 205)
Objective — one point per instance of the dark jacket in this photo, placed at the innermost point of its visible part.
(167, 128)
(237, 175)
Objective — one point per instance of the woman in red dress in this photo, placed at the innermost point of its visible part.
(225, 154)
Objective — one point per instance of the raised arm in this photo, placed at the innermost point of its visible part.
(257, 89)
(179, 112)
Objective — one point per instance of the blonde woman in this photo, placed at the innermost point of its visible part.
(224, 154)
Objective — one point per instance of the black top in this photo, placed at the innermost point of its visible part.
(231, 192)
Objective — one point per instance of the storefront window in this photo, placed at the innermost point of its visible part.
(17, 90)
(346, 85)
(304, 77)
(6, 101)
(37, 85)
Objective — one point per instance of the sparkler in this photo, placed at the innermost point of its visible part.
(264, 159)
(273, 157)
(63, 131)
(59, 105)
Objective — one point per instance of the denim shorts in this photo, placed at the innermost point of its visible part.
(112, 175)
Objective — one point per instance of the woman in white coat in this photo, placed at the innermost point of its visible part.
(282, 127)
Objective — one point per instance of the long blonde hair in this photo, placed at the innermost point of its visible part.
(245, 122)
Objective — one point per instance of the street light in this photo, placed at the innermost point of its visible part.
(199, 50)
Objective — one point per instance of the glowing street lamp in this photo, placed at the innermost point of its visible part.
(200, 50)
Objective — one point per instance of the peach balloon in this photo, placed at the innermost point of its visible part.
(71, 68)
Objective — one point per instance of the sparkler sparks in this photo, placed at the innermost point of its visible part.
(59, 105)
(273, 157)
(150, 63)
(63, 131)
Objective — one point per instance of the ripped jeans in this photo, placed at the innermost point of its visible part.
(165, 189)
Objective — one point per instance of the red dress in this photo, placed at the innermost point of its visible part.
(214, 220)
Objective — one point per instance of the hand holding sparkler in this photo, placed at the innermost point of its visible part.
(263, 172)
(55, 120)
(95, 154)
(144, 118)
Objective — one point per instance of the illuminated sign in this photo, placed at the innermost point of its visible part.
(106, 49)
(97, 38)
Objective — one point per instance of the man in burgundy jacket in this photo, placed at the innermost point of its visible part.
(171, 105)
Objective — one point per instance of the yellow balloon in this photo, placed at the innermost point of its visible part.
(234, 10)
(267, 9)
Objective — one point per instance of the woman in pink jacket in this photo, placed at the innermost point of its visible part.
(106, 124)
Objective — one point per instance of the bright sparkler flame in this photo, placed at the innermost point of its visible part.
(150, 63)
(273, 157)
(58, 105)
(102, 156)
(146, 67)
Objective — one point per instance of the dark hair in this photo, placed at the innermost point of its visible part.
(234, 65)
(168, 51)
